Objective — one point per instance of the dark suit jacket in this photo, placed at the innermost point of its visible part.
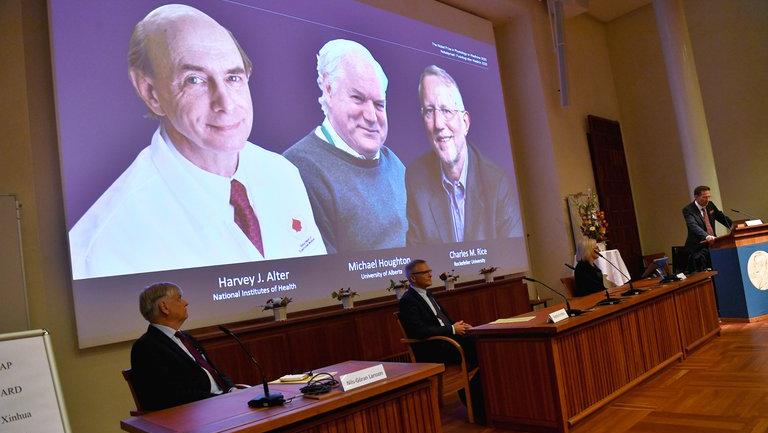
(420, 322)
(418, 319)
(489, 209)
(164, 375)
(697, 231)
(588, 279)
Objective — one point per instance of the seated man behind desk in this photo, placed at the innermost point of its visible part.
(423, 317)
(589, 278)
(168, 366)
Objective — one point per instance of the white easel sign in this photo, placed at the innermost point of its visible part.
(30, 396)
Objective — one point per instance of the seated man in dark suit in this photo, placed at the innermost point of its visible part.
(169, 367)
(700, 216)
(423, 317)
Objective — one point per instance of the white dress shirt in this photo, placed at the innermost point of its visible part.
(165, 213)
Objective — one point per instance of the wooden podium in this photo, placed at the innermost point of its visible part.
(741, 259)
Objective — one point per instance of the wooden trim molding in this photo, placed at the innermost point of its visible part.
(331, 335)
(544, 377)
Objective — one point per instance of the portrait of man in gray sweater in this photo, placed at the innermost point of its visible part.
(355, 183)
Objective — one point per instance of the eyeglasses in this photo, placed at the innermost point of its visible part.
(428, 271)
(448, 113)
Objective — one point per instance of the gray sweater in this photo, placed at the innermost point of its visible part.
(358, 204)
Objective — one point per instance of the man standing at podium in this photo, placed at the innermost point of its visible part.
(700, 217)
(168, 366)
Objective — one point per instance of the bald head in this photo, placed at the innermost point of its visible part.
(154, 34)
(193, 77)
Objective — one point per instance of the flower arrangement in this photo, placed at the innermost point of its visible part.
(449, 276)
(489, 270)
(345, 296)
(398, 288)
(343, 293)
(450, 279)
(393, 286)
(274, 303)
(593, 223)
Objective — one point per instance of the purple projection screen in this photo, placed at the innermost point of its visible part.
(103, 126)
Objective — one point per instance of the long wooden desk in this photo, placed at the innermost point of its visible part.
(405, 402)
(544, 377)
(367, 332)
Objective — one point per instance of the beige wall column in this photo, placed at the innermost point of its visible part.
(686, 96)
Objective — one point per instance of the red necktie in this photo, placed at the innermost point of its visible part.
(245, 218)
(706, 222)
(201, 361)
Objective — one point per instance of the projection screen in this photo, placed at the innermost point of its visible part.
(142, 206)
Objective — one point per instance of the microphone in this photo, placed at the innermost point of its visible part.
(570, 311)
(745, 213)
(632, 291)
(266, 400)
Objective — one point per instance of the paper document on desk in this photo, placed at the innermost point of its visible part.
(513, 320)
(298, 378)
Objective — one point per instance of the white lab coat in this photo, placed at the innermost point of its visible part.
(165, 213)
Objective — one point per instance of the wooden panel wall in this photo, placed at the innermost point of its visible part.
(403, 412)
(544, 377)
(527, 364)
(697, 310)
(598, 360)
(330, 335)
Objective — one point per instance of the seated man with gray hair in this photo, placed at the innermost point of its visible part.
(168, 366)
(355, 183)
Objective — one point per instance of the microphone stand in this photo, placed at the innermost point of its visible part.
(745, 213)
(570, 311)
(632, 290)
(268, 399)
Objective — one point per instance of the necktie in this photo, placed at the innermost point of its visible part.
(440, 314)
(707, 224)
(245, 218)
(201, 361)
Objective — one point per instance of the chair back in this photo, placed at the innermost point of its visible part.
(128, 376)
(454, 378)
(404, 337)
(570, 286)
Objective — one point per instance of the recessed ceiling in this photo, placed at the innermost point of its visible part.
(499, 11)
(609, 10)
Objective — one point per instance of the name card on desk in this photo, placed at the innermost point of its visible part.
(558, 315)
(362, 377)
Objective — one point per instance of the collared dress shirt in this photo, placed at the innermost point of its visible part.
(165, 213)
(170, 333)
